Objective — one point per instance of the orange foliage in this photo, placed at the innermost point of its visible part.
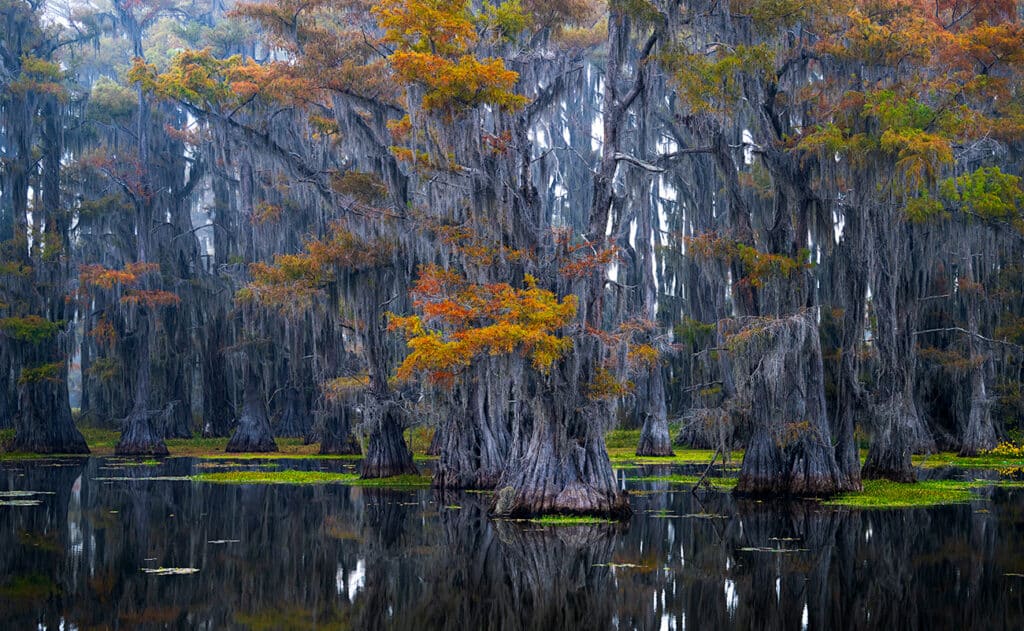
(107, 278)
(469, 320)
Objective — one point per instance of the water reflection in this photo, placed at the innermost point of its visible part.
(334, 557)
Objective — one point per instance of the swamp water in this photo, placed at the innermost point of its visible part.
(101, 543)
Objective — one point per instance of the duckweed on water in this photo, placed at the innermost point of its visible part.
(275, 477)
(718, 483)
(886, 494)
(568, 520)
(311, 477)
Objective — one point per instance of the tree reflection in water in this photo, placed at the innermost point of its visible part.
(337, 557)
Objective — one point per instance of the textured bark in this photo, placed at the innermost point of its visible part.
(778, 371)
(294, 421)
(654, 435)
(980, 433)
(889, 455)
(217, 413)
(561, 466)
(139, 437)
(850, 289)
(474, 439)
(337, 435)
(896, 426)
(253, 432)
(45, 425)
(387, 454)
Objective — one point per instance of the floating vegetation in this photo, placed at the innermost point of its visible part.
(311, 477)
(887, 494)
(772, 550)
(568, 520)
(714, 482)
(8, 494)
(150, 478)
(220, 542)
(398, 481)
(21, 502)
(170, 571)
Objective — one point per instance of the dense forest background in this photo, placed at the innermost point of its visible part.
(789, 226)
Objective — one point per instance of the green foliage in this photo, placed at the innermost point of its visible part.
(45, 372)
(507, 18)
(714, 82)
(32, 329)
(923, 208)
(694, 332)
(110, 102)
(988, 193)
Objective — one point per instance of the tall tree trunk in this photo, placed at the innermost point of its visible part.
(779, 379)
(44, 420)
(980, 433)
(559, 466)
(655, 439)
(139, 437)
(386, 452)
(850, 292)
(475, 437)
(253, 433)
(217, 411)
(337, 435)
(894, 414)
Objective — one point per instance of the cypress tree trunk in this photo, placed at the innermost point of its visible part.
(44, 423)
(980, 433)
(894, 412)
(778, 371)
(293, 423)
(474, 439)
(850, 285)
(655, 439)
(139, 438)
(560, 465)
(217, 413)
(338, 438)
(386, 452)
(8, 388)
(253, 433)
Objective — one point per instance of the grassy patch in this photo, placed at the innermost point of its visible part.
(886, 494)
(275, 477)
(398, 481)
(311, 477)
(984, 461)
(622, 439)
(568, 520)
(719, 483)
(627, 456)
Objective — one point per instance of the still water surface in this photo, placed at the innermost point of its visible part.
(75, 555)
